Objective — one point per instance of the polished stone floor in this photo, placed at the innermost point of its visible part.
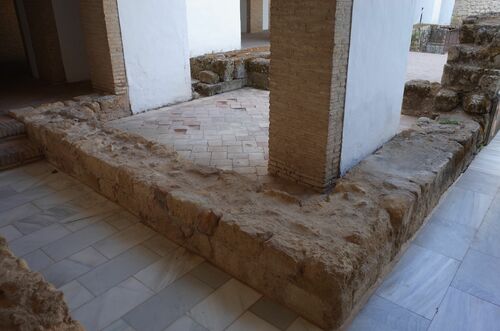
(117, 274)
(229, 131)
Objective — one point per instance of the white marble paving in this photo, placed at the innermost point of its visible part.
(124, 240)
(105, 309)
(419, 281)
(224, 306)
(250, 322)
(168, 269)
(463, 312)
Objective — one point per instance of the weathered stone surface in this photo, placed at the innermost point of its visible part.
(418, 98)
(250, 66)
(477, 104)
(213, 89)
(208, 77)
(446, 100)
(27, 301)
(319, 256)
(224, 68)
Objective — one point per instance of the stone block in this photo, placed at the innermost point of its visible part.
(477, 104)
(446, 100)
(224, 68)
(208, 77)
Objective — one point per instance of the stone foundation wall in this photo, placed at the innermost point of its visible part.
(319, 254)
(431, 38)
(471, 79)
(224, 72)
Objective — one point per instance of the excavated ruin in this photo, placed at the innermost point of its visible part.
(471, 79)
(27, 301)
(319, 254)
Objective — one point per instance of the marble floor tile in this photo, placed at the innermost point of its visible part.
(301, 324)
(185, 324)
(59, 197)
(487, 239)
(113, 272)
(38, 260)
(273, 313)
(210, 275)
(477, 181)
(29, 181)
(380, 314)
(112, 305)
(168, 269)
(10, 233)
(121, 220)
(160, 244)
(251, 322)
(78, 240)
(224, 306)
(34, 223)
(75, 294)
(170, 304)
(463, 312)
(479, 276)
(124, 240)
(119, 325)
(490, 166)
(38, 239)
(19, 199)
(463, 207)
(419, 281)
(6, 191)
(446, 238)
(62, 272)
(18, 213)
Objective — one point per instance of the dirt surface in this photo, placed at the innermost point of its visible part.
(316, 253)
(27, 301)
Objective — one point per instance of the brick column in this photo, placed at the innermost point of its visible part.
(255, 15)
(103, 43)
(43, 31)
(309, 57)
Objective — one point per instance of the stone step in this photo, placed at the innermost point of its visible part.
(482, 33)
(472, 54)
(16, 152)
(10, 127)
(467, 77)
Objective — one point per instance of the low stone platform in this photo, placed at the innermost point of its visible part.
(27, 301)
(319, 254)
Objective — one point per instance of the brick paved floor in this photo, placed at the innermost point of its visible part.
(229, 131)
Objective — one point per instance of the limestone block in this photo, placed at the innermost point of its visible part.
(208, 77)
(477, 104)
(446, 100)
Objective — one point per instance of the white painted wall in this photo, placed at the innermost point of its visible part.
(265, 15)
(213, 26)
(430, 11)
(244, 15)
(71, 39)
(380, 38)
(156, 52)
(446, 12)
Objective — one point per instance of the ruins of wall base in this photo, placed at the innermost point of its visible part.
(28, 302)
(319, 254)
